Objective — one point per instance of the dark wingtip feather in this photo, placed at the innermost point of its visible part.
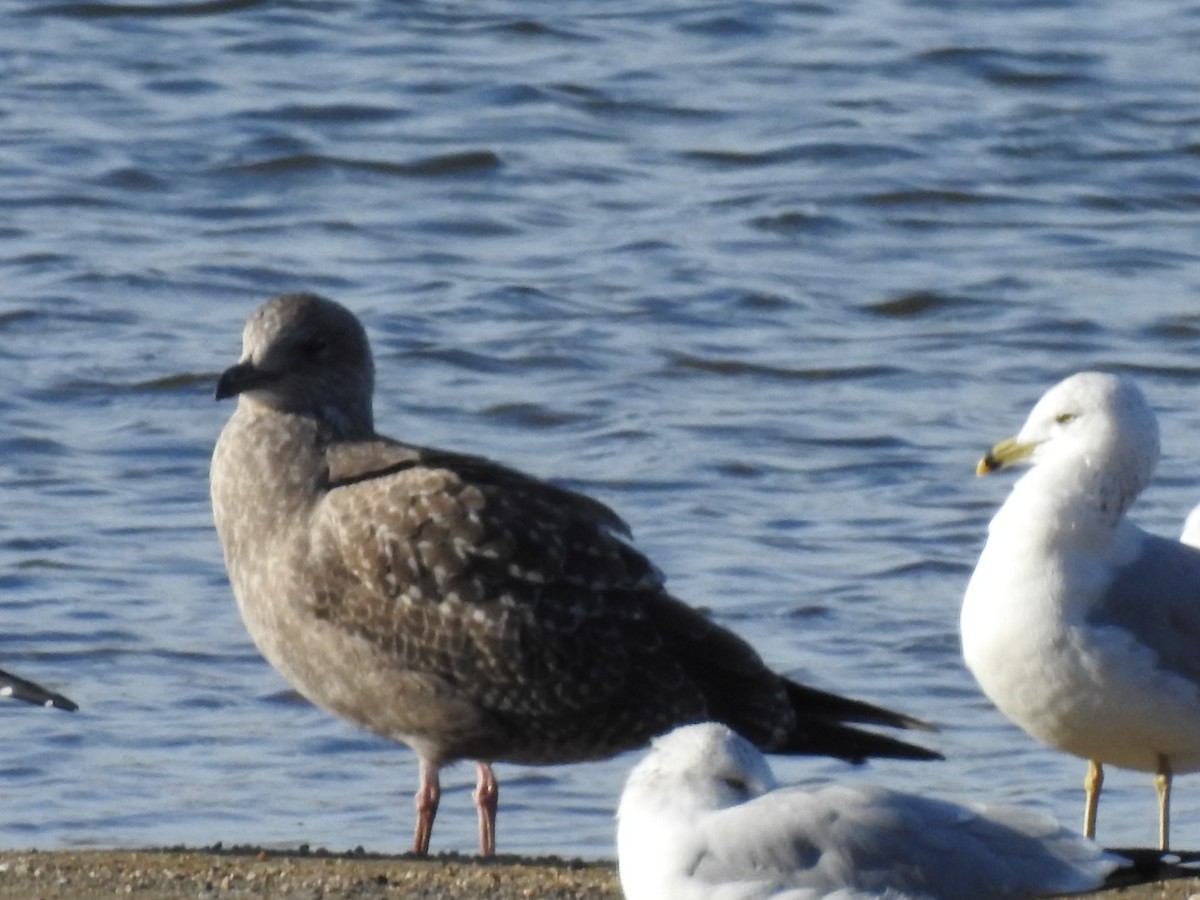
(20, 689)
(822, 727)
(822, 704)
(850, 744)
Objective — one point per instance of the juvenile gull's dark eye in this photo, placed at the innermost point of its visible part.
(313, 349)
(1064, 418)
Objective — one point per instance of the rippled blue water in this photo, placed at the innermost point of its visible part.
(766, 277)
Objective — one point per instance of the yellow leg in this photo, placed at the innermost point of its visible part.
(1162, 784)
(1092, 782)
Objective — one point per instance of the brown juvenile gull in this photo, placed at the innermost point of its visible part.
(20, 689)
(458, 606)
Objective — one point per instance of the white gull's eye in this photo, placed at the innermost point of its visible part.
(737, 785)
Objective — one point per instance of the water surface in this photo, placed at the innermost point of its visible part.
(766, 277)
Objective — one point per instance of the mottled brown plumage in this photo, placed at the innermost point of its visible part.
(459, 606)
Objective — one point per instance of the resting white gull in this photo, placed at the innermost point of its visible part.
(702, 818)
(20, 689)
(1082, 628)
(456, 605)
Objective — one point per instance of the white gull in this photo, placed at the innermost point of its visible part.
(1082, 628)
(702, 818)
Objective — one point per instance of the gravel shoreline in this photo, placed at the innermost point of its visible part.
(244, 872)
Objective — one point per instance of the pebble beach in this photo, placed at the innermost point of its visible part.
(245, 872)
(177, 873)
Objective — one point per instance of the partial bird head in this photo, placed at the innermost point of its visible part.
(1092, 421)
(305, 355)
(698, 768)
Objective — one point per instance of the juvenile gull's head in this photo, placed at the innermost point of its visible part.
(305, 355)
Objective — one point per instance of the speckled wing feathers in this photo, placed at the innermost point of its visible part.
(523, 593)
(527, 599)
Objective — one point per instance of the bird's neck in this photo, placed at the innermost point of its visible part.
(647, 823)
(1067, 502)
(277, 458)
(350, 422)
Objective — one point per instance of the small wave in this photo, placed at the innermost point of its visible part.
(871, 442)
(797, 223)
(842, 153)
(933, 197)
(917, 304)
(18, 316)
(592, 100)
(465, 163)
(1014, 69)
(327, 112)
(1186, 328)
(737, 368)
(531, 415)
(129, 178)
(536, 29)
(727, 26)
(145, 10)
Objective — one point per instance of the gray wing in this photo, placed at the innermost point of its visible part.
(1156, 597)
(874, 839)
(776, 841)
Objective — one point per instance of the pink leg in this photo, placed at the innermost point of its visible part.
(487, 798)
(429, 792)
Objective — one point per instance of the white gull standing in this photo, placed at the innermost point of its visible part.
(702, 818)
(456, 605)
(1082, 628)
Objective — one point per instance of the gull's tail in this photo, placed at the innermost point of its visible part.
(822, 727)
